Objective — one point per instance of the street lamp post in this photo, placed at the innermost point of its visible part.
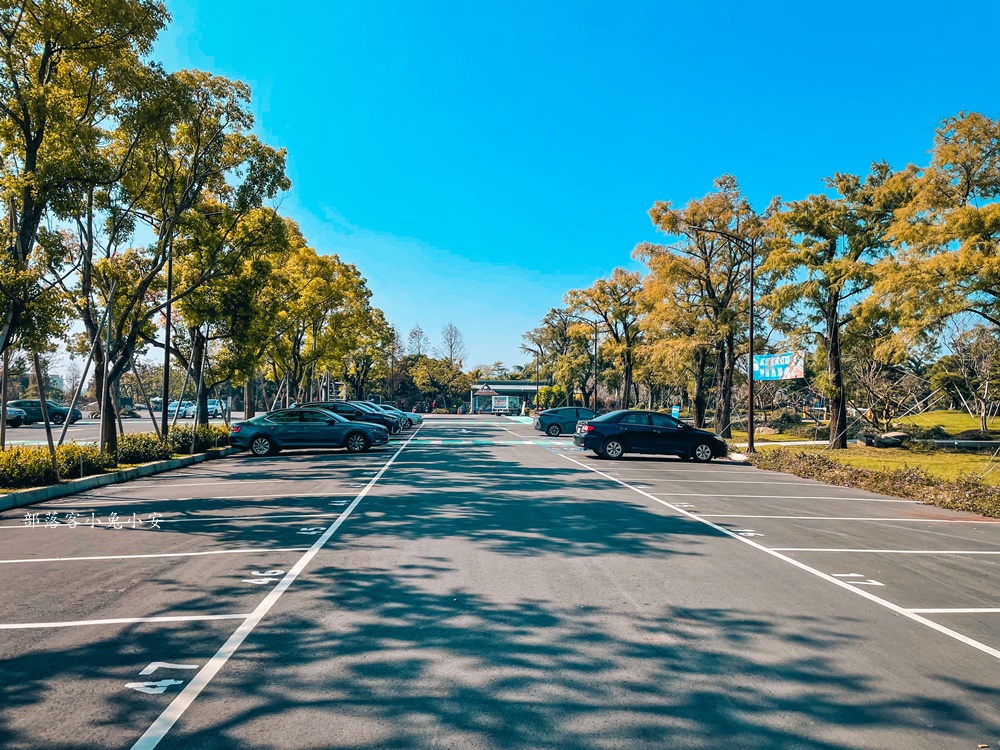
(166, 349)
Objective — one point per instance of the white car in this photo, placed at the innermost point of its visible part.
(216, 407)
(187, 409)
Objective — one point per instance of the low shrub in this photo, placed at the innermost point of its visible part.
(142, 448)
(208, 436)
(26, 466)
(968, 493)
(974, 435)
(937, 432)
(77, 461)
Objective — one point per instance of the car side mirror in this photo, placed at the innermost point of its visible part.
(331, 421)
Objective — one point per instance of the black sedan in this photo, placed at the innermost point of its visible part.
(557, 421)
(629, 431)
(304, 428)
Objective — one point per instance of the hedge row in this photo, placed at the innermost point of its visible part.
(30, 466)
(967, 493)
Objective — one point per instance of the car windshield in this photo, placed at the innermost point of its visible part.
(611, 416)
(365, 407)
(328, 413)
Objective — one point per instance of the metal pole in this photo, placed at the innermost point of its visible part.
(201, 384)
(45, 412)
(164, 427)
(750, 448)
(595, 366)
(105, 390)
(3, 401)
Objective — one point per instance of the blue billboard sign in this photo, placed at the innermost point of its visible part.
(785, 366)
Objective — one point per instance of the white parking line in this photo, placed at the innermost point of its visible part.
(265, 518)
(258, 550)
(788, 497)
(855, 551)
(116, 621)
(107, 503)
(159, 728)
(984, 521)
(954, 634)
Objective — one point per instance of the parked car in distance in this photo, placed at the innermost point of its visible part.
(557, 421)
(216, 407)
(355, 413)
(15, 416)
(408, 419)
(375, 411)
(304, 427)
(32, 408)
(630, 431)
(187, 409)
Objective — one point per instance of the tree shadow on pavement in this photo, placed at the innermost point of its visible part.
(384, 662)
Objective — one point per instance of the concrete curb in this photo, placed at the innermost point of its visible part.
(71, 487)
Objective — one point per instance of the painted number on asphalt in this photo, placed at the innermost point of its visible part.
(311, 530)
(263, 576)
(155, 688)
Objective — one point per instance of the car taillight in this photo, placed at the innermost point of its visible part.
(588, 428)
(234, 428)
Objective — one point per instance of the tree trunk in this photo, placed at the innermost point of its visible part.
(835, 374)
(724, 395)
(249, 404)
(699, 398)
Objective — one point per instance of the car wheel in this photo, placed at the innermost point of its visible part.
(613, 449)
(58, 418)
(394, 430)
(261, 446)
(409, 423)
(16, 422)
(356, 443)
(553, 430)
(702, 453)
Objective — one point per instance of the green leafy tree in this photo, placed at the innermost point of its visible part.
(63, 66)
(823, 260)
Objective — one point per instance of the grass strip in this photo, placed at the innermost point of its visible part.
(967, 492)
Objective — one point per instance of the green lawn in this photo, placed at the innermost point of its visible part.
(740, 436)
(952, 421)
(944, 464)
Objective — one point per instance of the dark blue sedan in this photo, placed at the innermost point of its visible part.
(557, 421)
(304, 428)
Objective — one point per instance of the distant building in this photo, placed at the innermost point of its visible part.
(516, 391)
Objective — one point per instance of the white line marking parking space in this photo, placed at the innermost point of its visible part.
(855, 551)
(911, 614)
(981, 521)
(117, 621)
(257, 551)
(166, 720)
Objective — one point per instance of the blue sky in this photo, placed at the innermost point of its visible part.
(477, 160)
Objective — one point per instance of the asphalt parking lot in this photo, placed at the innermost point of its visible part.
(477, 584)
